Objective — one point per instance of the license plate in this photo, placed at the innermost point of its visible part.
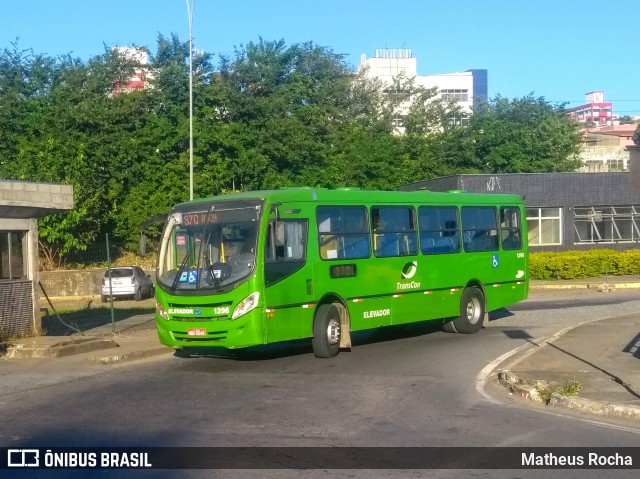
(196, 332)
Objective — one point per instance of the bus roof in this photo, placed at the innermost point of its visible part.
(357, 196)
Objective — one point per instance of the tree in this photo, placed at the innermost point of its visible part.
(76, 132)
(272, 115)
(628, 120)
(521, 135)
(290, 107)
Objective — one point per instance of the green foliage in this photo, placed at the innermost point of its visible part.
(268, 116)
(583, 264)
(524, 135)
(636, 136)
(628, 120)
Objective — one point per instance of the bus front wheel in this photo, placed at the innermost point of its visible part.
(472, 310)
(327, 331)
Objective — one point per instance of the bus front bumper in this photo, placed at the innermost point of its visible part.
(240, 333)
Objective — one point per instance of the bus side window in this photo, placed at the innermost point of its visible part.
(394, 231)
(510, 228)
(343, 232)
(439, 229)
(287, 241)
(479, 228)
(285, 249)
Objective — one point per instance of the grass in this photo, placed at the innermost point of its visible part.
(569, 388)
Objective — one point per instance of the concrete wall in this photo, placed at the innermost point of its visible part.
(33, 199)
(60, 284)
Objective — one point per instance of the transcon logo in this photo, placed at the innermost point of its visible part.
(409, 270)
(411, 285)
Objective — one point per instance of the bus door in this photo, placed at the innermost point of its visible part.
(287, 278)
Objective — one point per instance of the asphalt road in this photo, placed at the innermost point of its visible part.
(412, 386)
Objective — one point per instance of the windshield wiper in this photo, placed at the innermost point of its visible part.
(174, 285)
(209, 267)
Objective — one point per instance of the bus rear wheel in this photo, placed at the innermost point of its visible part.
(472, 309)
(327, 331)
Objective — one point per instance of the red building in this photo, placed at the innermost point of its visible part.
(140, 77)
(595, 112)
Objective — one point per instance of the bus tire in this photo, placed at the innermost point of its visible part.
(327, 331)
(472, 308)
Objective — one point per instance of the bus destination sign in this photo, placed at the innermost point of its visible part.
(191, 219)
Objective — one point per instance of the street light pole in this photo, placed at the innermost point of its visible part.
(190, 14)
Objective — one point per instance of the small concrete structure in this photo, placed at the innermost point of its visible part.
(21, 204)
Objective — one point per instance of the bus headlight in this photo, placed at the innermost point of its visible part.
(161, 311)
(247, 304)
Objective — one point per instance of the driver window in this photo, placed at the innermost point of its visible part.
(285, 249)
(287, 242)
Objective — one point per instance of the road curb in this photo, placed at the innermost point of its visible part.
(530, 390)
(58, 350)
(520, 387)
(605, 287)
(598, 408)
(130, 356)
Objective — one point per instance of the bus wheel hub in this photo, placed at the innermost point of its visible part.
(333, 331)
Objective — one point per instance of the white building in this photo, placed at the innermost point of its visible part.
(468, 87)
(606, 148)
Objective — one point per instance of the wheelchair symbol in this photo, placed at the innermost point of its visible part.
(495, 261)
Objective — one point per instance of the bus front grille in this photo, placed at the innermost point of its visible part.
(210, 336)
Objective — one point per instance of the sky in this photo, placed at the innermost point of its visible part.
(556, 49)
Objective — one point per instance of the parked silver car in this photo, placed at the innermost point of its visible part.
(126, 281)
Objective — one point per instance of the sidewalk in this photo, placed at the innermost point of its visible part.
(136, 339)
(602, 357)
(592, 369)
(608, 283)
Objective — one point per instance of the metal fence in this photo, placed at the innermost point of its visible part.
(73, 301)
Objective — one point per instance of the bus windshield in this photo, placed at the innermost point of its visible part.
(209, 246)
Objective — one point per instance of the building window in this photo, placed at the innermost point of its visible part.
(593, 166)
(455, 95)
(615, 165)
(545, 226)
(459, 119)
(397, 121)
(13, 261)
(607, 224)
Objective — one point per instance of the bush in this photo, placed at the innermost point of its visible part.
(583, 264)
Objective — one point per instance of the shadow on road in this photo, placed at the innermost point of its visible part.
(72, 322)
(303, 346)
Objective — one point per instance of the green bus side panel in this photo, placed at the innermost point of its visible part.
(292, 305)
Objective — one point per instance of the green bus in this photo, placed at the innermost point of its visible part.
(260, 267)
